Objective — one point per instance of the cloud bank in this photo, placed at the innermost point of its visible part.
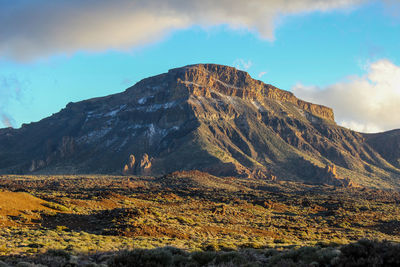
(370, 103)
(33, 29)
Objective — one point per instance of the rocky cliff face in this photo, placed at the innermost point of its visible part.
(209, 79)
(207, 117)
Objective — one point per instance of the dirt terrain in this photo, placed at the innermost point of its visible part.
(18, 207)
(186, 210)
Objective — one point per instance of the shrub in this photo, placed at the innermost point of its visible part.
(301, 255)
(370, 253)
(61, 228)
(234, 257)
(56, 206)
(142, 257)
(184, 220)
(204, 257)
(59, 253)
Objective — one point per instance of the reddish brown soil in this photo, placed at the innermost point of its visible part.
(19, 207)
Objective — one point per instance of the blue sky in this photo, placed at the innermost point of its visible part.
(322, 53)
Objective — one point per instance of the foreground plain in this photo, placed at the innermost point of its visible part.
(85, 216)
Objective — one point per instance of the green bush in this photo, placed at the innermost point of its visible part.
(56, 206)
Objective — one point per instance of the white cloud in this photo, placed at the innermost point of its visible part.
(11, 92)
(369, 103)
(32, 29)
(242, 64)
(261, 74)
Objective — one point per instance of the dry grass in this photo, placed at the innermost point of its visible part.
(20, 208)
(186, 210)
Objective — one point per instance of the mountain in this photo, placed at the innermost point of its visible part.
(204, 117)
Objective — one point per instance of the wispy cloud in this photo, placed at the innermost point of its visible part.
(242, 64)
(6, 120)
(11, 91)
(369, 103)
(261, 74)
(32, 29)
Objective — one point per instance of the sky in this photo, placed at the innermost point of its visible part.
(340, 53)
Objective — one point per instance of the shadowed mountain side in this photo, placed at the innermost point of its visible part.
(206, 117)
(387, 144)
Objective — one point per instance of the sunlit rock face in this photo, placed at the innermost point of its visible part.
(204, 117)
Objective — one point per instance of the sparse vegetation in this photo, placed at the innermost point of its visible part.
(361, 253)
(184, 219)
(55, 206)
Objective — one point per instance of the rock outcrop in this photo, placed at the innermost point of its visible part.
(210, 79)
(138, 168)
(330, 176)
(129, 168)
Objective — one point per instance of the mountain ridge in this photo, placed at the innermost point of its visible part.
(206, 78)
(206, 117)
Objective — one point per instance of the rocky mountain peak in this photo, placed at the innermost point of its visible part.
(218, 73)
(206, 117)
(214, 81)
(209, 80)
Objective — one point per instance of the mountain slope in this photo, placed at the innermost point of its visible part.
(208, 117)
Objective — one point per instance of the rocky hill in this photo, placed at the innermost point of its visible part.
(204, 117)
